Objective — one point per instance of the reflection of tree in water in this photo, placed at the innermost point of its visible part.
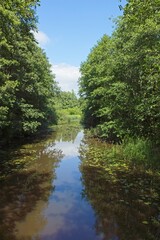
(68, 133)
(126, 207)
(26, 183)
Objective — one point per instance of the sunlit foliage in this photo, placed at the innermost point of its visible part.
(119, 84)
(26, 84)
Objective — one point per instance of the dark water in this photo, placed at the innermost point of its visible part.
(41, 191)
(47, 194)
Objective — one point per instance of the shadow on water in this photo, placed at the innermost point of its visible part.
(26, 176)
(44, 196)
(125, 201)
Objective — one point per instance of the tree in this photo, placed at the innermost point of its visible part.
(95, 77)
(138, 47)
(120, 78)
(26, 83)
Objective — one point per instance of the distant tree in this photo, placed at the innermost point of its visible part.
(67, 99)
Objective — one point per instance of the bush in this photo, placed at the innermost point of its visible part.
(137, 150)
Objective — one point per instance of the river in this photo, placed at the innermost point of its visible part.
(45, 194)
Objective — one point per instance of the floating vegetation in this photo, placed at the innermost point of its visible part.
(125, 196)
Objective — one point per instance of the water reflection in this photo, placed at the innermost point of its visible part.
(126, 204)
(41, 191)
(69, 217)
(44, 196)
(27, 175)
(67, 133)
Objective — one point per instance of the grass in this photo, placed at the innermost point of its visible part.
(132, 151)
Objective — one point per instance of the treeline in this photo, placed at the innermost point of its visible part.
(120, 80)
(68, 107)
(27, 86)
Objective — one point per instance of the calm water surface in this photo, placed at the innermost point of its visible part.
(41, 193)
(46, 193)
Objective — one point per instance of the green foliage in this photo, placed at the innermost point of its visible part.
(27, 86)
(67, 107)
(68, 115)
(119, 84)
(68, 100)
(96, 76)
(141, 151)
(137, 150)
(119, 191)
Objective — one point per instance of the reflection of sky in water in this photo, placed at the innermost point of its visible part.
(44, 202)
(68, 215)
(68, 148)
(65, 215)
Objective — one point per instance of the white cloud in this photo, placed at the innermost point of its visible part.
(70, 148)
(41, 38)
(67, 76)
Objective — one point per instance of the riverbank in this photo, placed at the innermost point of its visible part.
(131, 187)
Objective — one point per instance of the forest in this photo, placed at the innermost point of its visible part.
(120, 84)
(29, 95)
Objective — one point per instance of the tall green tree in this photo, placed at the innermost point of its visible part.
(26, 83)
(119, 81)
(95, 77)
(138, 65)
(67, 99)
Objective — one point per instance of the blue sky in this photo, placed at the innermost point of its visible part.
(68, 29)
